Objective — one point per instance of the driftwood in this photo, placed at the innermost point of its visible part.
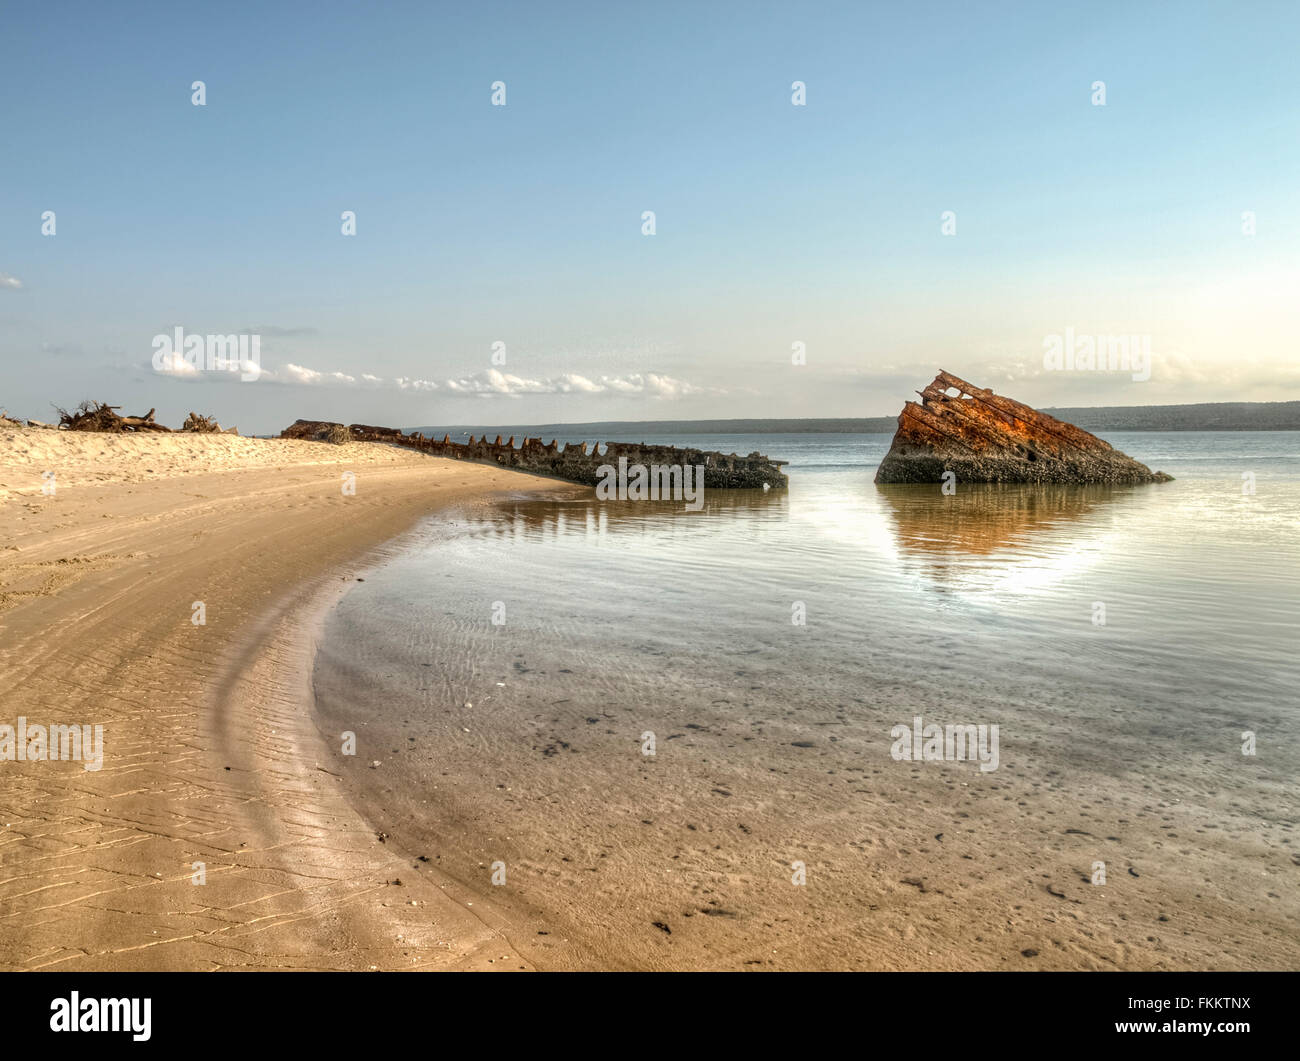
(96, 416)
(5, 418)
(206, 425)
(200, 424)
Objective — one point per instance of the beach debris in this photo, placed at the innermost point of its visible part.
(318, 431)
(206, 425)
(199, 424)
(96, 416)
(963, 431)
(10, 421)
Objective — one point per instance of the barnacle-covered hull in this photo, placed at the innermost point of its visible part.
(575, 462)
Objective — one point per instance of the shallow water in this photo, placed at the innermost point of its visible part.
(619, 620)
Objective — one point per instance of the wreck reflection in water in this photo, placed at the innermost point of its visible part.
(987, 533)
(584, 516)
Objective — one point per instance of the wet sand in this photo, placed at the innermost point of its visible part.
(210, 752)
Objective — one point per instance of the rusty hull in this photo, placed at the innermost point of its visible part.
(985, 437)
(575, 461)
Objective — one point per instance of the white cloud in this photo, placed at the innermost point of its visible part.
(406, 383)
(174, 364)
(581, 383)
(490, 384)
(299, 374)
(666, 386)
(10, 283)
(493, 382)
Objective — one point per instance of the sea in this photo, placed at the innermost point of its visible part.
(539, 679)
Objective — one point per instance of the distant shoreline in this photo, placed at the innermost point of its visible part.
(1210, 416)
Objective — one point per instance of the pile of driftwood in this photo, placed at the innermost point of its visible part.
(96, 416)
(205, 425)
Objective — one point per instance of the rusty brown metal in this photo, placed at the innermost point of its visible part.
(985, 437)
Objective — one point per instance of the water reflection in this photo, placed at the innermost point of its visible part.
(553, 518)
(1010, 535)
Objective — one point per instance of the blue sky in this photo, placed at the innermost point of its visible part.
(522, 224)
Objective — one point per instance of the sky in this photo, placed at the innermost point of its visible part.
(1168, 214)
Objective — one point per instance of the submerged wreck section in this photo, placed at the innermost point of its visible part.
(573, 461)
(985, 438)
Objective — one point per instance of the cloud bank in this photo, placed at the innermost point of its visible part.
(489, 384)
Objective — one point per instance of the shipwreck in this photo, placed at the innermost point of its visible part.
(573, 461)
(982, 437)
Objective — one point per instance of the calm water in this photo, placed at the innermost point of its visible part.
(974, 608)
(994, 586)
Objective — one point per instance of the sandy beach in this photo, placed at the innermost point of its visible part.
(520, 743)
(212, 766)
